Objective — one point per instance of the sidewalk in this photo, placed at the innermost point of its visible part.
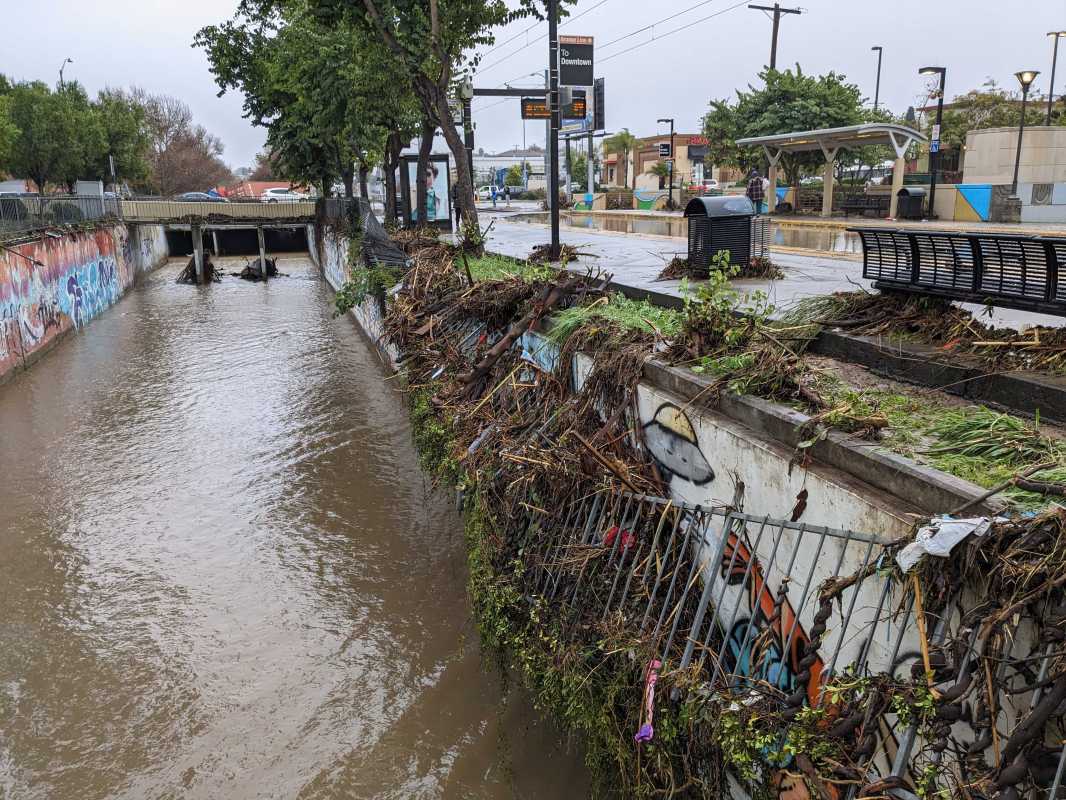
(635, 260)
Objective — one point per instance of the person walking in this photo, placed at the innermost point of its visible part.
(458, 209)
(507, 195)
(492, 192)
(755, 191)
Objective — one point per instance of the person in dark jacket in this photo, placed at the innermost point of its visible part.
(755, 191)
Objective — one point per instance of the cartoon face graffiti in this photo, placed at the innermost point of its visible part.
(671, 440)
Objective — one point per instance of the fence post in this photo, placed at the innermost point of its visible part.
(978, 263)
(916, 259)
(1051, 289)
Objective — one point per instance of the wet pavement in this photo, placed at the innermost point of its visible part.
(636, 260)
(222, 573)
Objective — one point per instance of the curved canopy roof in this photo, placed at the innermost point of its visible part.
(829, 140)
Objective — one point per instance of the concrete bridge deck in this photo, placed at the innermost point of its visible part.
(210, 214)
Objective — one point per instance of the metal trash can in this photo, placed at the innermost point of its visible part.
(911, 202)
(719, 223)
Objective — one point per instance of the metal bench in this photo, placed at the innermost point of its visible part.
(1006, 270)
(863, 203)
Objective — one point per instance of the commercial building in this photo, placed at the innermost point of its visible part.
(691, 164)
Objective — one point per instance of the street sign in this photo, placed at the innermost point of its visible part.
(935, 135)
(578, 107)
(575, 61)
(599, 116)
(535, 108)
(664, 150)
(934, 146)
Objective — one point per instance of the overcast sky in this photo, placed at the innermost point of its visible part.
(148, 43)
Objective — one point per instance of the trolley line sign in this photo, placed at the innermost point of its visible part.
(575, 61)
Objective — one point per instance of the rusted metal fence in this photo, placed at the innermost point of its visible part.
(737, 598)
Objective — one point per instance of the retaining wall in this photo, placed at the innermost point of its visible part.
(53, 285)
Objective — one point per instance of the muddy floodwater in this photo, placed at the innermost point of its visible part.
(222, 574)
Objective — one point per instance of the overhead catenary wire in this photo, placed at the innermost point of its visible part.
(675, 30)
(538, 39)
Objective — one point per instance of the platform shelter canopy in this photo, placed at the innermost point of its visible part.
(830, 141)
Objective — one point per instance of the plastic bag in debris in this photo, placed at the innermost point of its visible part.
(939, 537)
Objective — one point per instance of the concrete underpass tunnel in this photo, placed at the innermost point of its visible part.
(240, 242)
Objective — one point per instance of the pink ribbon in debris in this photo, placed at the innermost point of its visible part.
(627, 538)
(646, 731)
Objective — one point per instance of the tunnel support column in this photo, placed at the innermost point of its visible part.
(262, 253)
(198, 252)
(214, 243)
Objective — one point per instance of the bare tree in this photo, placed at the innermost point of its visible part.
(184, 157)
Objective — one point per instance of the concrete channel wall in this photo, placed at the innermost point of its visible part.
(54, 284)
(845, 499)
(712, 459)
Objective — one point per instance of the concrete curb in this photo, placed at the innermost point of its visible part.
(1022, 392)
(925, 487)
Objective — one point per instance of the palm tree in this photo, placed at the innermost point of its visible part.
(622, 143)
(660, 169)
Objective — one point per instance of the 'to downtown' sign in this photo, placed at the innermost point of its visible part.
(575, 61)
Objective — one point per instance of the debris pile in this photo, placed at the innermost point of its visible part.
(588, 578)
(188, 274)
(253, 270)
(938, 322)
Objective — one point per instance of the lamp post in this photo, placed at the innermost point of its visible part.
(877, 87)
(672, 157)
(61, 68)
(1025, 78)
(934, 140)
(1054, 59)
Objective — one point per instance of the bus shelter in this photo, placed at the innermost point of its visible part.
(830, 141)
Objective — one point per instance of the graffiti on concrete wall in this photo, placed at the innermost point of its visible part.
(334, 257)
(671, 440)
(53, 285)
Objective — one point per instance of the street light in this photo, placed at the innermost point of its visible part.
(1025, 78)
(934, 140)
(61, 68)
(672, 156)
(877, 88)
(1054, 58)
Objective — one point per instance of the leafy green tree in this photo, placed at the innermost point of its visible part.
(123, 121)
(989, 107)
(623, 143)
(514, 175)
(45, 149)
(8, 130)
(788, 101)
(327, 93)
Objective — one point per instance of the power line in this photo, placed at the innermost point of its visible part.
(538, 39)
(675, 30)
(777, 11)
(657, 22)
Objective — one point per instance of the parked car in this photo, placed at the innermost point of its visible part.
(200, 197)
(485, 192)
(710, 183)
(279, 194)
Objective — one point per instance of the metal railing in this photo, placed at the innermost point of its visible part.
(34, 212)
(1008, 270)
(747, 603)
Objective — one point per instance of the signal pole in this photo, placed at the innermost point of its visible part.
(777, 11)
(553, 124)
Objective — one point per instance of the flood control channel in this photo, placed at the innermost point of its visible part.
(222, 573)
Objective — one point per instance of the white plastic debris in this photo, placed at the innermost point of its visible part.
(939, 537)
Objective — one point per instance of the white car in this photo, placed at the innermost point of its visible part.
(282, 195)
(710, 183)
(485, 192)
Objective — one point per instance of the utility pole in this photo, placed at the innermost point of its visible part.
(877, 87)
(553, 125)
(777, 11)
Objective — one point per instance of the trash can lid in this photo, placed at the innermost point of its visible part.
(727, 205)
(912, 191)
